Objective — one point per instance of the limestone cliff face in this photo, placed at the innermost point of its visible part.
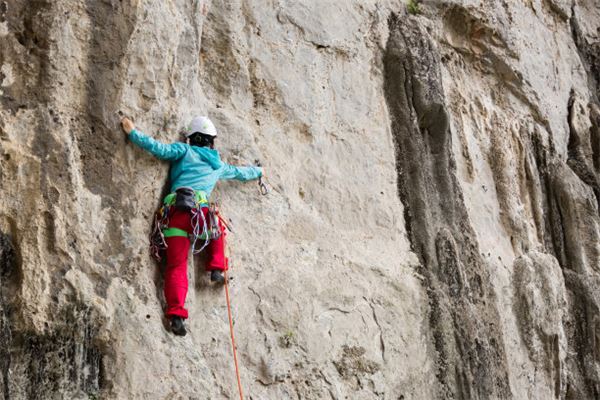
(433, 229)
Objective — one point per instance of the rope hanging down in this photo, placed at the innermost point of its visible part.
(233, 347)
(264, 190)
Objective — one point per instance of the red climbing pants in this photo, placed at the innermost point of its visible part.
(176, 281)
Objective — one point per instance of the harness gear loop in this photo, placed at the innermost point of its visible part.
(233, 346)
(157, 238)
(198, 215)
(203, 228)
(211, 229)
(213, 216)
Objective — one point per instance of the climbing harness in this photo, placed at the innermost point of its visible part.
(233, 346)
(204, 228)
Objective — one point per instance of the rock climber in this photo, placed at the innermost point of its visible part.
(195, 165)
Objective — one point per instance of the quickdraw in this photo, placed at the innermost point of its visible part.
(263, 188)
(157, 239)
(213, 220)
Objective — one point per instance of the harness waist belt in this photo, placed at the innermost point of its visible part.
(201, 198)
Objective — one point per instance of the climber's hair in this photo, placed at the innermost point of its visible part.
(202, 140)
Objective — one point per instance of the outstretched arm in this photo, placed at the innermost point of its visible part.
(169, 152)
(240, 173)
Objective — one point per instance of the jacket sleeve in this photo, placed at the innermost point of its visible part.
(240, 173)
(169, 152)
(227, 171)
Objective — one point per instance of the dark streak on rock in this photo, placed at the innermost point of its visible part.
(588, 52)
(61, 362)
(470, 358)
(7, 262)
(578, 160)
(112, 23)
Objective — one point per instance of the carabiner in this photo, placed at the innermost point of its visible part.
(262, 187)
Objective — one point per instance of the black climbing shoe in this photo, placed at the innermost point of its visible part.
(177, 326)
(217, 277)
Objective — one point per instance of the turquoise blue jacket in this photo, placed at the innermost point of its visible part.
(193, 166)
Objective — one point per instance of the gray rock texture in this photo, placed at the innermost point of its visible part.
(433, 230)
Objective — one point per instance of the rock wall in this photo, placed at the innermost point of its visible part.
(433, 229)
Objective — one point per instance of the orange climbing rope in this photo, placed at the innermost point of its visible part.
(233, 347)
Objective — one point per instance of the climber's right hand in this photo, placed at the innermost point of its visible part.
(127, 125)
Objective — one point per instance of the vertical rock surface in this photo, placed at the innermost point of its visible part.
(433, 229)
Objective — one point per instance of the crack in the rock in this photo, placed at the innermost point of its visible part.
(381, 340)
(257, 308)
(339, 310)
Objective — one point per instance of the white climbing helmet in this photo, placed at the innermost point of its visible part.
(202, 125)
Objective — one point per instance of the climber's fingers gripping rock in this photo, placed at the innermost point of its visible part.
(127, 125)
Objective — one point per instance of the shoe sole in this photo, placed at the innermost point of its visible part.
(179, 332)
